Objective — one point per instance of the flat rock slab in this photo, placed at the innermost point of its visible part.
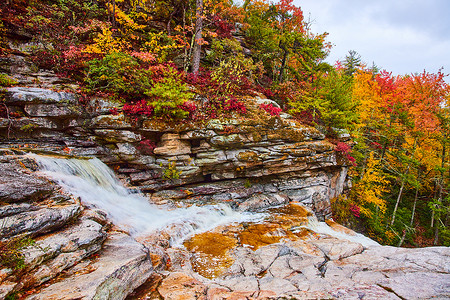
(123, 265)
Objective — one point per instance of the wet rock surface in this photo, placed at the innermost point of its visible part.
(71, 254)
(78, 255)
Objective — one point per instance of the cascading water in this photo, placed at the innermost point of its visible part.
(96, 185)
(323, 228)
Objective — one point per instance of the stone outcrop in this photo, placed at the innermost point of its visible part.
(317, 267)
(249, 163)
(66, 241)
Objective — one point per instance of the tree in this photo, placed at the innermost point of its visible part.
(352, 62)
(198, 40)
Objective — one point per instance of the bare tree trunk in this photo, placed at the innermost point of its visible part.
(197, 37)
(402, 239)
(415, 201)
(399, 197)
(403, 183)
(283, 62)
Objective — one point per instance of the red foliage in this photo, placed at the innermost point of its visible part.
(146, 147)
(223, 27)
(355, 210)
(219, 96)
(272, 110)
(345, 149)
(138, 108)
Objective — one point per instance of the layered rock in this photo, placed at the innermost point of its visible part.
(46, 233)
(250, 163)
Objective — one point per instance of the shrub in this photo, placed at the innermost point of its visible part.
(10, 252)
(6, 81)
(271, 109)
(168, 96)
(119, 73)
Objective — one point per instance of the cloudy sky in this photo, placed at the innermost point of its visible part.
(402, 36)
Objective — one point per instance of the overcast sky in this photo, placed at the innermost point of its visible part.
(402, 36)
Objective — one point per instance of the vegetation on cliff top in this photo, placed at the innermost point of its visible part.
(144, 54)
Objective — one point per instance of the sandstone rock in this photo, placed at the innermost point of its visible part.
(81, 236)
(16, 185)
(114, 135)
(419, 285)
(111, 121)
(180, 286)
(277, 285)
(52, 110)
(258, 201)
(171, 145)
(30, 124)
(122, 266)
(241, 283)
(260, 101)
(12, 209)
(335, 249)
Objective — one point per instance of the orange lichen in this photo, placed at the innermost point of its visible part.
(210, 256)
(258, 235)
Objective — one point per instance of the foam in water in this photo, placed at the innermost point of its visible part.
(96, 185)
(322, 227)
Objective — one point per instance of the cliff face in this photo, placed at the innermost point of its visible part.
(251, 163)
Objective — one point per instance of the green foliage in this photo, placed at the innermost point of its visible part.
(168, 95)
(441, 211)
(10, 252)
(6, 81)
(119, 73)
(171, 171)
(330, 96)
(29, 128)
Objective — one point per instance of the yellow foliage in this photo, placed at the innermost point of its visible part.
(162, 44)
(367, 93)
(105, 43)
(123, 19)
(370, 189)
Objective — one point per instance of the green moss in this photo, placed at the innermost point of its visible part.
(6, 81)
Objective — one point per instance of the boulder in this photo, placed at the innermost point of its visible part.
(122, 266)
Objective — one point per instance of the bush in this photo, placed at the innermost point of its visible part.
(168, 96)
(119, 73)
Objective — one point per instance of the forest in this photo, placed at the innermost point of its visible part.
(191, 61)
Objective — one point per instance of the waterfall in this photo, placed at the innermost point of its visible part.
(97, 187)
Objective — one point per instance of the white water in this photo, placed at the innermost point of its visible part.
(96, 185)
(322, 227)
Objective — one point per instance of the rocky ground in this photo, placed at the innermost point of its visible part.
(78, 254)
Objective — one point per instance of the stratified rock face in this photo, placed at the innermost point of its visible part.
(250, 164)
(65, 236)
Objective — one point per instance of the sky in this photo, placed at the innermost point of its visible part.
(400, 36)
